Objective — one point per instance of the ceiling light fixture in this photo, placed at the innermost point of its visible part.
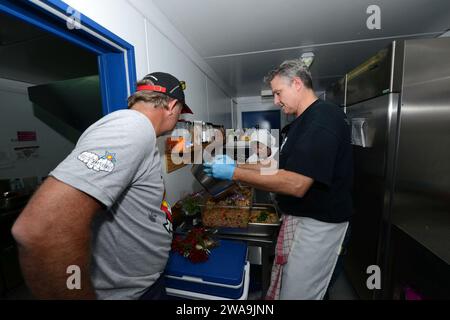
(307, 58)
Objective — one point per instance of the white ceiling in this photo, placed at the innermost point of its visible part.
(243, 39)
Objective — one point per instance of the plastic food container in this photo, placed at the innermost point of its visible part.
(223, 276)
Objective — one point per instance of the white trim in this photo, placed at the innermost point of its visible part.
(201, 296)
(91, 32)
(214, 284)
(232, 114)
(207, 100)
(146, 46)
(325, 44)
(445, 34)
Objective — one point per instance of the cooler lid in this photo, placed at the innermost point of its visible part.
(225, 264)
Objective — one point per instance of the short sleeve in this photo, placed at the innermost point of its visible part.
(107, 157)
(314, 154)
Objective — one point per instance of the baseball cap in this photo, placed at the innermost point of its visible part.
(167, 84)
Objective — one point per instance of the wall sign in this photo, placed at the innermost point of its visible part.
(26, 136)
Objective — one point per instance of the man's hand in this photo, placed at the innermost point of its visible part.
(222, 167)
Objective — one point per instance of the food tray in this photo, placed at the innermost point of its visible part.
(220, 216)
(253, 228)
(237, 189)
(230, 210)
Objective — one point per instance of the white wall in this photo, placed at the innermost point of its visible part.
(160, 47)
(219, 108)
(17, 115)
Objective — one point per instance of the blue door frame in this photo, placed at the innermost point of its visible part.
(116, 64)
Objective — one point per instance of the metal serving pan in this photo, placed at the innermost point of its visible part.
(254, 229)
(215, 187)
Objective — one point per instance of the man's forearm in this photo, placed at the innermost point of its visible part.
(249, 166)
(264, 165)
(255, 179)
(280, 181)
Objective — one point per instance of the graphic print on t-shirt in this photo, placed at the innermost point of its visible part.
(165, 207)
(97, 163)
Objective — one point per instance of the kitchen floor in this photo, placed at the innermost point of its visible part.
(342, 290)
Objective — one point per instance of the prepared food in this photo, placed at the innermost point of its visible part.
(263, 216)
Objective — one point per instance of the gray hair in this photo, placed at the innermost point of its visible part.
(156, 98)
(290, 69)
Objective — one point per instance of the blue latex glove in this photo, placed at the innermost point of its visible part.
(207, 168)
(222, 167)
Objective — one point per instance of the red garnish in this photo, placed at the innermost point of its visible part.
(195, 246)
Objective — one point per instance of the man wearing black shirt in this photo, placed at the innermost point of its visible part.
(313, 185)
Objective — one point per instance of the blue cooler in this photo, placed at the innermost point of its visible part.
(222, 276)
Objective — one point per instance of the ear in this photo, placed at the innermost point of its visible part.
(298, 84)
(172, 106)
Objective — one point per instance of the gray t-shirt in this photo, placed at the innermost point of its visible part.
(116, 161)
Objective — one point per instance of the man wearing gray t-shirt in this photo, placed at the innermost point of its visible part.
(99, 226)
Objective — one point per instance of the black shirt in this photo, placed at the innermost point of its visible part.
(318, 146)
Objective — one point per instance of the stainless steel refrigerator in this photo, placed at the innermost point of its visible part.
(398, 104)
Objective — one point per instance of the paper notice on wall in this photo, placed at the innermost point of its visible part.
(27, 153)
(5, 157)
